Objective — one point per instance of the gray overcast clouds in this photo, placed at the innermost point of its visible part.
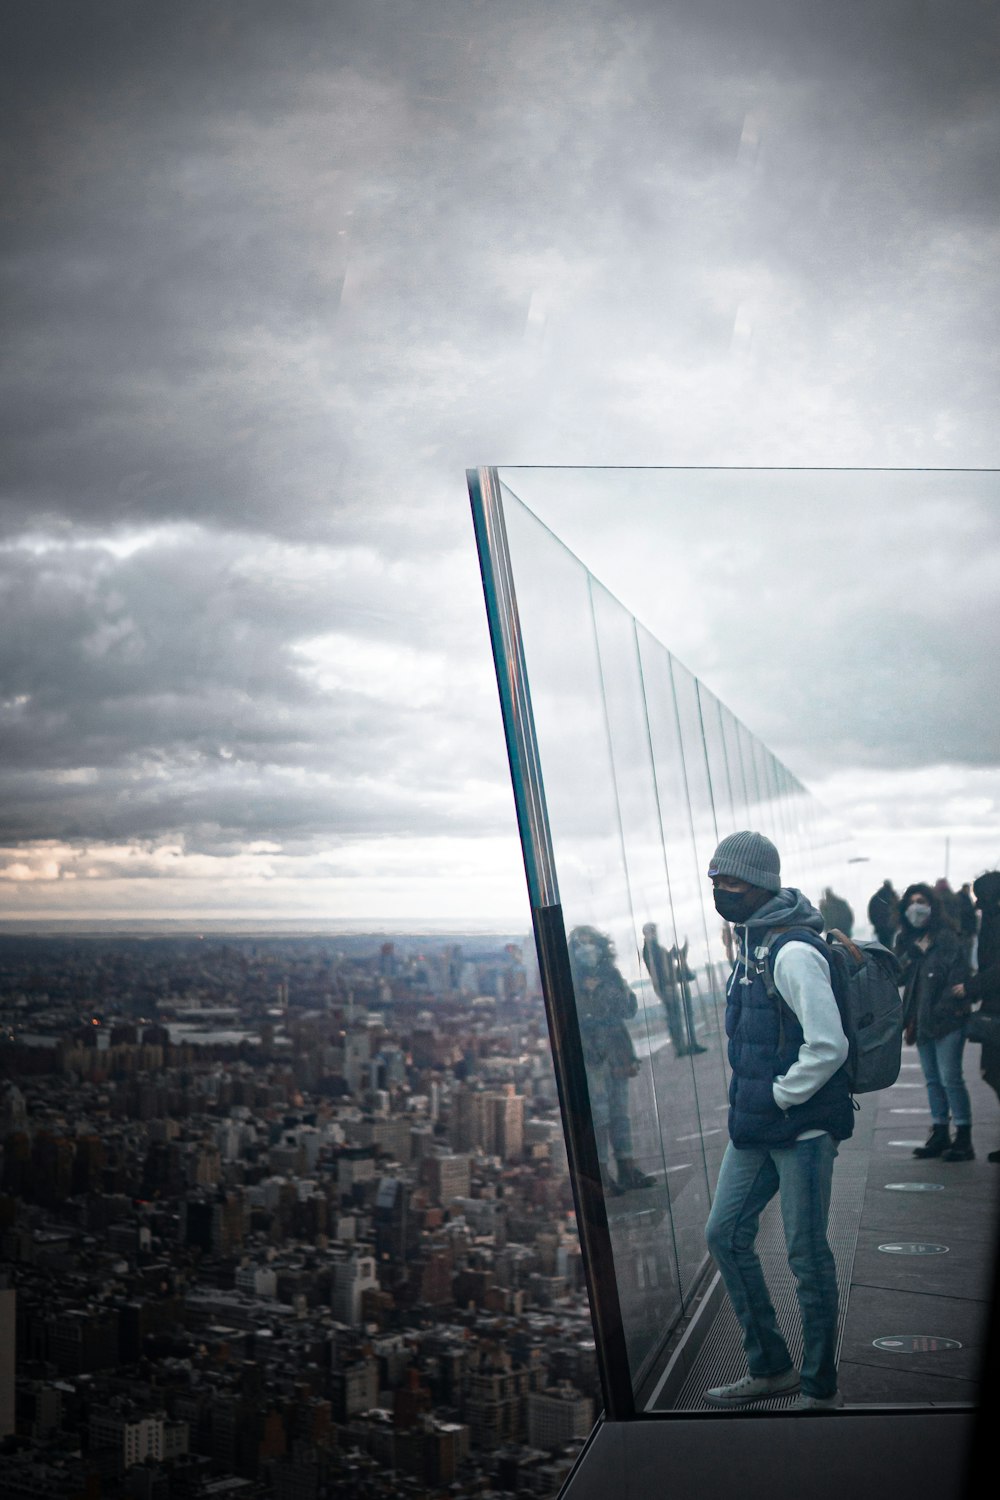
(273, 276)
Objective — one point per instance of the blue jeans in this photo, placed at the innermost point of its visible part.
(748, 1179)
(609, 1103)
(946, 1091)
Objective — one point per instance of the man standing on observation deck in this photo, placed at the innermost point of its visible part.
(789, 1107)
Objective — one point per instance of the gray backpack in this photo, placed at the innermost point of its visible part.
(866, 978)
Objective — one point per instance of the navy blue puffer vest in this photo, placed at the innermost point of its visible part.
(764, 1040)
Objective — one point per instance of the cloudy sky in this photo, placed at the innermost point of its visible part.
(273, 276)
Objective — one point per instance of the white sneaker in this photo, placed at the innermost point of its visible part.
(753, 1388)
(819, 1403)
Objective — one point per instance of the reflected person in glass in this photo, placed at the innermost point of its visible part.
(604, 1002)
(671, 977)
(789, 1107)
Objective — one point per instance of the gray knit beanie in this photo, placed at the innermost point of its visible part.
(750, 857)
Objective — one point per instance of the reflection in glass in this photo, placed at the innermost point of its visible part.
(644, 769)
(604, 1003)
(639, 760)
(672, 977)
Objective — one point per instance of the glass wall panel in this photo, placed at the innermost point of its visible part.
(601, 751)
(769, 783)
(728, 820)
(756, 814)
(791, 833)
(663, 1093)
(705, 836)
(639, 759)
(737, 773)
(695, 1049)
(718, 758)
(638, 770)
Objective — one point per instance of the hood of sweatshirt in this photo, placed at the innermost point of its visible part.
(786, 908)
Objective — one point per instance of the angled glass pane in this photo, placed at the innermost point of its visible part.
(677, 955)
(571, 653)
(738, 786)
(639, 770)
(654, 1281)
(718, 759)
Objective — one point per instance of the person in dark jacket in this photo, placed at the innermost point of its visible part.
(668, 969)
(836, 913)
(604, 1002)
(984, 986)
(789, 1108)
(935, 1010)
(948, 902)
(968, 922)
(883, 913)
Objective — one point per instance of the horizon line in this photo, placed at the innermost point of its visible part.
(361, 926)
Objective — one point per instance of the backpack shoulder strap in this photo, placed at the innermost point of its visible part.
(840, 937)
(775, 938)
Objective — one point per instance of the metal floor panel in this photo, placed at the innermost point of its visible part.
(720, 1358)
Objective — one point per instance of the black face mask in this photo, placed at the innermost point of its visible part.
(735, 906)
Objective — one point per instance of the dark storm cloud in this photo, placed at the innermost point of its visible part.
(181, 689)
(236, 247)
(273, 276)
(219, 811)
(261, 261)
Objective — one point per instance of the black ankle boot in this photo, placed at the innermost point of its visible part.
(937, 1143)
(961, 1147)
(629, 1176)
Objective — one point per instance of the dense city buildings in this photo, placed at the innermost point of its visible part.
(283, 1216)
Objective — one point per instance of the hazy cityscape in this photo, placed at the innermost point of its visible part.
(284, 1215)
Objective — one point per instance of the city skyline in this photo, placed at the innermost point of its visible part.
(273, 1213)
(273, 281)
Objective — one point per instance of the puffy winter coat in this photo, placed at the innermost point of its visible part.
(985, 985)
(604, 1002)
(764, 1040)
(928, 1008)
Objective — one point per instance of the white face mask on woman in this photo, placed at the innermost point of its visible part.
(918, 914)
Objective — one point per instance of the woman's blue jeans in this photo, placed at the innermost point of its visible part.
(947, 1094)
(609, 1103)
(748, 1179)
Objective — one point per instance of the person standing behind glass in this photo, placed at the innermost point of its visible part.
(670, 975)
(883, 913)
(983, 988)
(836, 913)
(968, 922)
(789, 1108)
(935, 1009)
(604, 1002)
